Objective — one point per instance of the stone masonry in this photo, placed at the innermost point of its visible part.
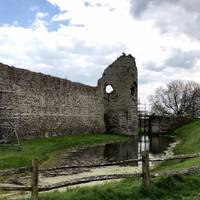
(50, 106)
(120, 106)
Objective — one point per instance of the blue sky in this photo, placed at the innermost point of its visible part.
(23, 12)
(78, 39)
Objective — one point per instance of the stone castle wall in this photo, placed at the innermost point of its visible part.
(158, 125)
(121, 104)
(49, 106)
(162, 125)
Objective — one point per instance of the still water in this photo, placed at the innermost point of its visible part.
(118, 151)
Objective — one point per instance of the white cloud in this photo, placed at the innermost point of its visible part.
(97, 33)
(170, 16)
(41, 15)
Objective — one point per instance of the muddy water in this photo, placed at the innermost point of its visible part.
(119, 151)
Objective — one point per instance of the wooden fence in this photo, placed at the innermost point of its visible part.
(146, 176)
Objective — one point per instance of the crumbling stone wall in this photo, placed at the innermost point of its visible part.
(120, 105)
(51, 106)
(164, 124)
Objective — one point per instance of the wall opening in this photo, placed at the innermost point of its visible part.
(133, 88)
(109, 89)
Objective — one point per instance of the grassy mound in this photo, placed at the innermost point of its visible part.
(189, 137)
(49, 149)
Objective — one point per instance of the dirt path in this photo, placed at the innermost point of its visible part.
(67, 175)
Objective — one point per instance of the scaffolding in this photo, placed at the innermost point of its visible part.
(144, 118)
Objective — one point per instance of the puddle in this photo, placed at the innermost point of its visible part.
(119, 151)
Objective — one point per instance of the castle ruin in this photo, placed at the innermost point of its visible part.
(50, 106)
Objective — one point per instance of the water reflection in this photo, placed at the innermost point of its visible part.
(122, 150)
(143, 144)
(119, 151)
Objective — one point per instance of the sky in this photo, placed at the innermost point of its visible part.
(77, 39)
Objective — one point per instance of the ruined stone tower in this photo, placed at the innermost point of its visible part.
(50, 106)
(120, 103)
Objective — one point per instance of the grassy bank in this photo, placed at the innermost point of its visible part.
(184, 187)
(189, 142)
(49, 149)
(189, 136)
(179, 187)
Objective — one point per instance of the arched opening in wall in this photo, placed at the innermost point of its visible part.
(133, 88)
(109, 89)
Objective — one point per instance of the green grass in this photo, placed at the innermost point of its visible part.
(189, 137)
(170, 188)
(49, 149)
(179, 187)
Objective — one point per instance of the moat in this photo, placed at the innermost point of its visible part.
(98, 154)
(119, 151)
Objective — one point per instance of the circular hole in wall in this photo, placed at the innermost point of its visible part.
(109, 89)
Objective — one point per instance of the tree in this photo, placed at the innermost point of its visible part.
(177, 98)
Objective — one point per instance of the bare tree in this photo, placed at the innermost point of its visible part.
(196, 105)
(177, 98)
